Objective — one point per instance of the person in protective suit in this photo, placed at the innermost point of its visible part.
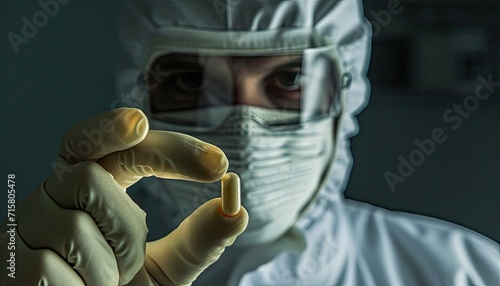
(271, 88)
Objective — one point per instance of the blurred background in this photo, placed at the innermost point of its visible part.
(426, 58)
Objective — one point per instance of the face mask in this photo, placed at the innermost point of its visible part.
(280, 168)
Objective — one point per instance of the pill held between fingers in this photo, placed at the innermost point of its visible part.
(231, 197)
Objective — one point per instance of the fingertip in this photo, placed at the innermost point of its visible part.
(102, 134)
(215, 161)
(132, 124)
(236, 223)
(142, 126)
(223, 165)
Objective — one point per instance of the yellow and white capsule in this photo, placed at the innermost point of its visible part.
(231, 194)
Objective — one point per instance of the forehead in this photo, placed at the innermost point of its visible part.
(249, 62)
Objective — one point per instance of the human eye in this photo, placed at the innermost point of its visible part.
(287, 81)
(283, 89)
(182, 84)
(178, 89)
(185, 83)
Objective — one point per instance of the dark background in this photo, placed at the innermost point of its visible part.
(423, 62)
(425, 59)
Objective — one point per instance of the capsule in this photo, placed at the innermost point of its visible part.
(231, 194)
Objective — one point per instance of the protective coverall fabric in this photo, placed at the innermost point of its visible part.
(340, 242)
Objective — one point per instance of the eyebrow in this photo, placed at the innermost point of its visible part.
(180, 65)
(267, 70)
(268, 64)
(290, 65)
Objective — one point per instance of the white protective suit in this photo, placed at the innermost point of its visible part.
(335, 241)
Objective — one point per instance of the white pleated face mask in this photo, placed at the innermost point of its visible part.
(280, 168)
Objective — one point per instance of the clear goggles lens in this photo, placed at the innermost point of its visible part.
(183, 89)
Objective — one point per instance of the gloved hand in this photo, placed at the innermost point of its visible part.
(80, 227)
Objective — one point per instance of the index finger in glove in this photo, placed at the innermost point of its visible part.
(103, 134)
(168, 155)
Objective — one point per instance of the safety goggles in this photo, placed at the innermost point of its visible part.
(200, 90)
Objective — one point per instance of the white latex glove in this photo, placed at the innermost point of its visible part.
(80, 227)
